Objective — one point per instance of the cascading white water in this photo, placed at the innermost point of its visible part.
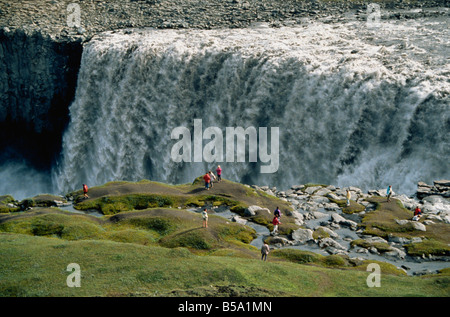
(355, 106)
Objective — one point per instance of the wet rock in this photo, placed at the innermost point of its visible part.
(251, 210)
(329, 242)
(302, 235)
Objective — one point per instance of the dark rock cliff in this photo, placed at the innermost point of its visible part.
(37, 83)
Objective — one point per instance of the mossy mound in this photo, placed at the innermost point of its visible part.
(5, 204)
(170, 228)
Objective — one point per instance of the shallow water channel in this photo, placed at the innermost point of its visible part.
(410, 265)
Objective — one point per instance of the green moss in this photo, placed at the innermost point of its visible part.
(159, 224)
(353, 208)
(110, 205)
(320, 233)
(385, 268)
(297, 256)
(381, 221)
(428, 247)
(7, 199)
(192, 240)
(47, 200)
(334, 261)
(380, 246)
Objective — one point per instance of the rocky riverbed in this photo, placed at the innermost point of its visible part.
(328, 226)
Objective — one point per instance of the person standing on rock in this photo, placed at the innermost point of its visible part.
(207, 179)
(205, 218)
(265, 249)
(219, 173)
(213, 178)
(348, 197)
(389, 193)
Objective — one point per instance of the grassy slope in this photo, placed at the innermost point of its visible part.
(165, 252)
(36, 266)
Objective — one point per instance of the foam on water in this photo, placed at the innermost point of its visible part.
(355, 105)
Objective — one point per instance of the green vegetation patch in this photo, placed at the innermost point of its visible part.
(4, 201)
(110, 205)
(381, 221)
(380, 246)
(354, 207)
(428, 247)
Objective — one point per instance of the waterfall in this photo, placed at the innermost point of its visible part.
(354, 106)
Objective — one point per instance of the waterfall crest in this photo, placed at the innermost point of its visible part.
(355, 106)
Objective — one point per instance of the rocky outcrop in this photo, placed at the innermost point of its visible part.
(37, 82)
(439, 187)
(321, 218)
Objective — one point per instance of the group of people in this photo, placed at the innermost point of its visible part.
(265, 249)
(209, 177)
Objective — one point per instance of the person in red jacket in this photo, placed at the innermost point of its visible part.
(85, 191)
(207, 179)
(275, 223)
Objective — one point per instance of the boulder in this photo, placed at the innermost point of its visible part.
(302, 235)
(335, 196)
(329, 242)
(414, 224)
(331, 207)
(442, 182)
(238, 219)
(318, 214)
(251, 210)
(418, 226)
(322, 192)
(279, 240)
(342, 221)
(329, 231)
(319, 199)
(312, 189)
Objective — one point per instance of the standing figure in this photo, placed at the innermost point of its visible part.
(207, 179)
(219, 173)
(275, 223)
(348, 197)
(85, 191)
(212, 177)
(265, 249)
(205, 218)
(389, 193)
(277, 213)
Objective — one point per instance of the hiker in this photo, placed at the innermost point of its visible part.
(205, 218)
(275, 223)
(207, 179)
(213, 178)
(265, 249)
(389, 193)
(348, 197)
(417, 214)
(219, 173)
(417, 211)
(85, 191)
(277, 213)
